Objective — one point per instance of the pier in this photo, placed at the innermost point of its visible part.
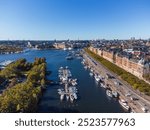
(69, 84)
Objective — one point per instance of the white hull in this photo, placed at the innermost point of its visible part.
(67, 97)
(61, 97)
(71, 98)
(97, 78)
(124, 105)
(91, 74)
(109, 93)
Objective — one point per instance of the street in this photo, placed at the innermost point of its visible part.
(137, 102)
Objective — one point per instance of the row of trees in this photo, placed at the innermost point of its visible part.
(16, 69)
(23, 97)
(135, 82)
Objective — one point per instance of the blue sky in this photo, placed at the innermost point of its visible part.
(73, 19)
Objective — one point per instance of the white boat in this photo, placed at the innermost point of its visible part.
(72, 89)
(85, 67)
(74, 83)
(65, 49)
(97, 78)
(70, 48)
(74, 79)
(75, 95)
(109, 93)
(69, 58)
(67, 97)
(102, 85)
(71, 98)
(115, 94)
(61, 91)
(91, 70)
(124, 104)
(91, 74)
(83, 62)
(61, 97)
(61, 67)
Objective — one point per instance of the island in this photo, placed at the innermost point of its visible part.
(23, 82)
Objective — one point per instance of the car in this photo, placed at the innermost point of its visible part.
(128, 94)
(134, 98)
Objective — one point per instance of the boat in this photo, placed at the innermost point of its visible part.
(61, 97)
(82, 62)
(60, 91)
(71, 98)
(69, 58)
(61, 67)
(67, 97)
(109, 93)
(115, 94)
(65, 49)
(124, 104)
(72, 89)
(85, 67)
(91, 70)
(91, 74)
(97, 78)
(74, 83)
(102, 85)
(75, 95)
(70, 48)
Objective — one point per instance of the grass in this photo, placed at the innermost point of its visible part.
(134, 81)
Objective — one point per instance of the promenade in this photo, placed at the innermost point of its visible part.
(123, 89)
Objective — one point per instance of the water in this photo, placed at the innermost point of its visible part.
(91, 97)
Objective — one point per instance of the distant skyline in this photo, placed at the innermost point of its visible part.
(74, 19)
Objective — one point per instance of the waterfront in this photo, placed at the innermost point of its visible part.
(91, 97)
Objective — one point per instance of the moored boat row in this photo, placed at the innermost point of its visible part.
(102, 83)
(69, 91)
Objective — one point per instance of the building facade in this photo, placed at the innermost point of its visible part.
(136, 68)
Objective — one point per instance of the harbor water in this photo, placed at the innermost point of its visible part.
(91, 97)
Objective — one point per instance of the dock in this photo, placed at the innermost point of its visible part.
(68, 89)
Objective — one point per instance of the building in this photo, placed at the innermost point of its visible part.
(136, 67)
(60, 45)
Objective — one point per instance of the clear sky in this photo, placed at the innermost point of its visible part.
(73, 19)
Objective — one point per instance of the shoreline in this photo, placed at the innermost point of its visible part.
(122, 90)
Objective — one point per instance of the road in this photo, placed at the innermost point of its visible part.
(124, 88)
